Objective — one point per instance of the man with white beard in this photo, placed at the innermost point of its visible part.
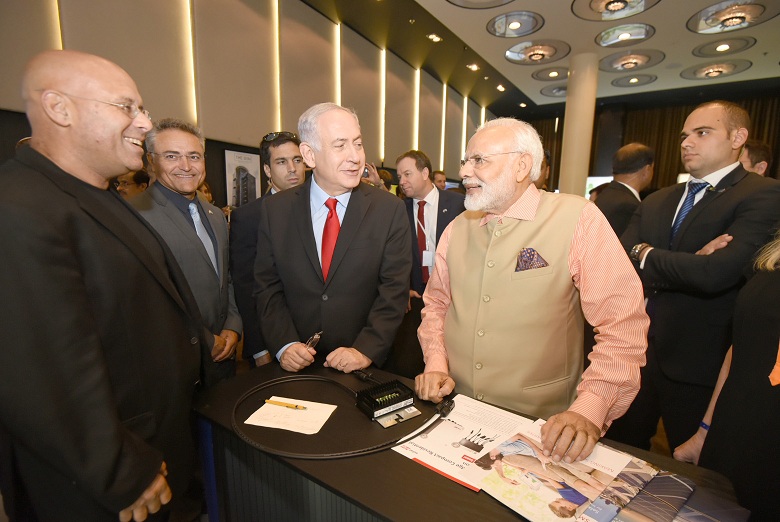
(504, 306)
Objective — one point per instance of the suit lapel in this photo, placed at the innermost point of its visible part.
(301, 213)
(359, 204)
(214, 216)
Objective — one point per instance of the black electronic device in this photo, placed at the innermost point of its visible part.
(384, 398)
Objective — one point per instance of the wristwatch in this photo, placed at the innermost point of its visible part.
(636, 250)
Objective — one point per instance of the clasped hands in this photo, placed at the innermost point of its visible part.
(566, 436)
(345, 359)
(224, 345)
(150, 501)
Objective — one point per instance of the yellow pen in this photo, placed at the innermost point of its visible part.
(285, 404)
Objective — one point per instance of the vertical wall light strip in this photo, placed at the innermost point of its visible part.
(337, 72)
(277, 101)
(443, 124)
(56, 25)
(464, 135)
(382, 102)
(482, 116)
(416, 110)
(189, 51)
(556, 125)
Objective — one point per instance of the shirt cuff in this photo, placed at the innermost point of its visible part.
(264, 353)
(593, 408)
(647, 252)
(280, 352)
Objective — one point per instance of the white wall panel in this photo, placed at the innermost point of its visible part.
(149, 39)
(453, 133)
(361, 87)
(235, 62)
(399, 125)
(472, 122)
(308, 61)
(19, 43)
(430, 117)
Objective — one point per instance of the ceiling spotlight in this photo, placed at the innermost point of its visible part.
(722, 48)
(733, 21)
(553, 74)
(412, 20)
(536, 56)
(616, 5)
(522, 105)
(515, 25)
(472, 66)
(435, 38)
(487, 77)
(633, 80)
(629, 64)
(732, 15)
(501, 88)
(713, 72)
(624, 36)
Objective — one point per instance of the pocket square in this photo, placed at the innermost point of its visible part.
(528, 259)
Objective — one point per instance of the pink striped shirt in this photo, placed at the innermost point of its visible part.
(611, 297)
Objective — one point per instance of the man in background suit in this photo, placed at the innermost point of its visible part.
(196, 232)
(691, 297)
(632, 168)
(757, 157)
(332, 255)
(429, 210)
(283, 165)
(96, 386)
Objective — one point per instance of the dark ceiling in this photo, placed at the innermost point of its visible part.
(388, 25)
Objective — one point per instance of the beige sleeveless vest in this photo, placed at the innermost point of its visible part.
(514, 339)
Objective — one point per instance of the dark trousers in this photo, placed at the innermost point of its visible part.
(406, 357)
(681, 405)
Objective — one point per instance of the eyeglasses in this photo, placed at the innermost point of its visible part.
(478, 160)
(271, 136)
(172, 157)
(132, 110)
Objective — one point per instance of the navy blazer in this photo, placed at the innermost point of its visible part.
(450, 205)
(618, 204)
(362, 302)
(691, 298)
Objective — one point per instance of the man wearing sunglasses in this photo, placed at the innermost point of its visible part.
(283, 165)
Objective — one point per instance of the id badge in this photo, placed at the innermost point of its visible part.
(427, 259)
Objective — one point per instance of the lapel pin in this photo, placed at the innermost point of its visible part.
(443, 211)
(210, 212)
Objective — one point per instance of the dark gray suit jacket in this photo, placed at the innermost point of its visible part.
(364, 298)
(618, 204)
(214, 294)
(691, 298)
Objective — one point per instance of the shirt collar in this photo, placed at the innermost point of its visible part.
(714, 178)
(632, 189)
(523, 209)
(179, 201)
(318, 197)
(432, 198)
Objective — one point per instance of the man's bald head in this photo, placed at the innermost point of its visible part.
(85, 115)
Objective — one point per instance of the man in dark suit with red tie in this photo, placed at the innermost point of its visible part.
(429, 210)
(691, 297)
(332, 254)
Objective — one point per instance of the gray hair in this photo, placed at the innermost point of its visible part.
(308, 130)
(175, 124)
(526, 140)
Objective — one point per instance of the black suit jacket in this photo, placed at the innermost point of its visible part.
(364, 298)
(450, 205)
(96, 383)
(244, 223)
(691, 298)
(618, 204)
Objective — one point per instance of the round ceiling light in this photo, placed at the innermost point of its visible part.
(555, 91)
(731, 15)
(551, 74)
(514, 24)
(714, 71)
(631, 60)
(724, 47)
(624, 35)
(536, 52)
(479, 4)
(601, 10)
(635, 80)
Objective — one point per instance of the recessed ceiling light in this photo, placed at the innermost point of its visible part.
(472, 66)
(624, 36)
(522, 105)
(606, 10)
(616, 5)
(717, 70)
(435, 38)
(501, 88)
(723, 48)
(732, 15)
(487, 77)
(553, 74)
(633, 80)
(536, 52)
(515, 25)
(412, 20)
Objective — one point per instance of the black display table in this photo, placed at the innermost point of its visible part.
(246, 484)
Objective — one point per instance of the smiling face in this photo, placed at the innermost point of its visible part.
(338, 165)
(180, 175)
(493, 178)
(707, 144)
(286, 167)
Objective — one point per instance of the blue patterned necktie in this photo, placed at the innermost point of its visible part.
(694, 187)
(203, 234)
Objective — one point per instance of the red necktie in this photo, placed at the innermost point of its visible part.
(421, 237)
(329, 236)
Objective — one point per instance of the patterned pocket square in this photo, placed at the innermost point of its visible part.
(528, 259)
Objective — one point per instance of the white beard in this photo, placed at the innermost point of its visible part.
(492, 196)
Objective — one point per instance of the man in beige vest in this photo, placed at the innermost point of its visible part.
(504, 306)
